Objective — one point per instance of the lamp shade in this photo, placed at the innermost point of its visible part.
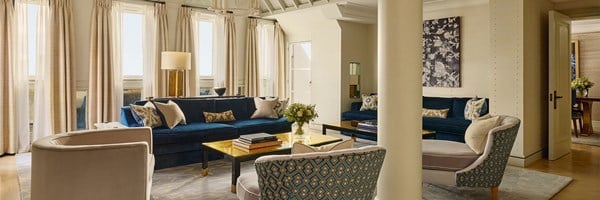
(354, 68)
(172, 60)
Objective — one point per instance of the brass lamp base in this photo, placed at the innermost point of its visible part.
(176, 83)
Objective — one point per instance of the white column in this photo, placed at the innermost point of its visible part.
(400, 26)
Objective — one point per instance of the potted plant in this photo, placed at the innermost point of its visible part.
(301, 114)
(581, 86)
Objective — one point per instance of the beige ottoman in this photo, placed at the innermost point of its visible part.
(247, 187)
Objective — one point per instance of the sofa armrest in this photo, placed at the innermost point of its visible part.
(113, 136)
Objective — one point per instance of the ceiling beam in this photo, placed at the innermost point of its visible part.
(268, 5)
(283, 6)
(295, 3)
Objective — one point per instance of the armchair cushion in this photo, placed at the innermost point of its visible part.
(302, 148)
(447, 155)
(247, 187)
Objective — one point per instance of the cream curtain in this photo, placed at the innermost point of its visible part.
(280, 83)
(230, 56)
(19, 70)
(184, 42)
(63, 111)
(102, 106)
(162, 44)
(252, 80)
(43, 97)
(8, 136)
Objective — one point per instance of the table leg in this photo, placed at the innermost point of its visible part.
(587, 128)
(204, 170)
(324, 130)
(235, 173)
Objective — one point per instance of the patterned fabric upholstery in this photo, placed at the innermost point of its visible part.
(343, 174)
(489, 172)
(226, 116)
(433, 113)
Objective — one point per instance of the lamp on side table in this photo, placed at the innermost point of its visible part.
(176, 63)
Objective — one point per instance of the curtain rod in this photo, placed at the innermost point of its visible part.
(196, 7)
(253, 17)
(153, 1)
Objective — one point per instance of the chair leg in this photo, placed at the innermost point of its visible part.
(580, 126)
(494, 193)
(575, 127)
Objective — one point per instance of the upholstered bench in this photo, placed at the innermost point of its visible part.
(447, 155)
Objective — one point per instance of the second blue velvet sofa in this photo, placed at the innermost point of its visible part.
(183, 144)
(451, 128)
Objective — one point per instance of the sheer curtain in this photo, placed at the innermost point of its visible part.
(42, 123)
(280, 86)
(9, 136)
(266, 57)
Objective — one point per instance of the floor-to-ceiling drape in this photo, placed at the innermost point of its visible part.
(102, 104)
(43, 99)
(280, 83)
(62, 76)
(161, 39)
(230, 56)
(184, 42)
(8, 136)
(19, 110)
(252, 80)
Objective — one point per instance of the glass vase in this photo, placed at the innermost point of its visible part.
(298, 129)
(581, 92)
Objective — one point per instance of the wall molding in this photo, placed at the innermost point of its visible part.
(528, 160)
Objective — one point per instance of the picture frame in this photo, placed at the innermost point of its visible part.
(574, 49)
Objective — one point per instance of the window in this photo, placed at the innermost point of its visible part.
(134, 25)
(33, 11)
(266, 58)
(206, 55)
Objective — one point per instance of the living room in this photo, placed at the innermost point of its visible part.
(340, 33)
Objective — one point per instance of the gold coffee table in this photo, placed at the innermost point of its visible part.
(237, 156)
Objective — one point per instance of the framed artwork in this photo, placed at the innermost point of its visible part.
(441, 52)
(574, 59)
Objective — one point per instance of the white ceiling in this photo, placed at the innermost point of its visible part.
(585, 26)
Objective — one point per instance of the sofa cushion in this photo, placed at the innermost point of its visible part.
(446, 155)
(359, 115)
(261, 125)
(239, 106)
(439, 103)
(193, 108)
(369, 102)
(434, 113)
(193, 132)
(226, 116)
(171, 113)
(473, 108)
(448, 125)
(265, 108)
(148, 114)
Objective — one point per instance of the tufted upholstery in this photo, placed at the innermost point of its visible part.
(341, 174)
(487, 170)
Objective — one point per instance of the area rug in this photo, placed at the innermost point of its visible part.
(593, 139)
(186, 182)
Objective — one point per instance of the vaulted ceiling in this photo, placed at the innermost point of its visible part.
(269, 7)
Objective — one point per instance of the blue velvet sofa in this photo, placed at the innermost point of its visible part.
(451, 128)
(183, 144)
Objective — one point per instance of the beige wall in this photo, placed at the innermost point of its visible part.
(475, 50)
(325, 35)
(589, 64)
(355, 48)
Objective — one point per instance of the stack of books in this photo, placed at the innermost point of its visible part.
(367, 125)
(255, 141)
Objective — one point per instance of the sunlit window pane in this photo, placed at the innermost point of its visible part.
(32, 16)
(205, 48)
(131, 39)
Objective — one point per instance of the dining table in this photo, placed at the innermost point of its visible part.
(586, 104)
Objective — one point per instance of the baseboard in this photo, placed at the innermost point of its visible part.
(524, 162)
(595, 124)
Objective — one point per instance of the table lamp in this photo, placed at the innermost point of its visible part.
(176, 63)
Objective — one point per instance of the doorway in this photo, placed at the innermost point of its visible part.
(300, 72)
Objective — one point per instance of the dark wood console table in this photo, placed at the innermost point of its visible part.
(587, 103)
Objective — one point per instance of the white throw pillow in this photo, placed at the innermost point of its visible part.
(477, 132)
(265, 108)
(302, 148)
(172, 113)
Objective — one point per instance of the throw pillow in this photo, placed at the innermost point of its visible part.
(148, 114)
(473, 108)
(433, 113)
(265, 108)
(477, 132)
(369, 102)
(302, 148)
(172, 113)
(281, 106)
(226, 116)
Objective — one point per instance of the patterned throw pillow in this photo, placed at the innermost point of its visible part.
(281, 106)
(226, 116)
(302, 148)
(148, 114)
(265, 108)
(473, 108)
(433, 113)
(172, 113)
(369, 102)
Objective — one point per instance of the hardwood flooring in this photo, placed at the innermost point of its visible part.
(583, 164)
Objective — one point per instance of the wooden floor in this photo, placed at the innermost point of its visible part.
(583, 164)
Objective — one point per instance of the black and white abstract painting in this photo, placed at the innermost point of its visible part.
(441, 52)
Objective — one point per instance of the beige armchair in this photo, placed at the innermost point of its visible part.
(93, 164)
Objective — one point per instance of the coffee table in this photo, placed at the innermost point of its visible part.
(237, 156)
(346, 126)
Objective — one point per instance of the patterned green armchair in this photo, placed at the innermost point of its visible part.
(341, 174)
(455, 164)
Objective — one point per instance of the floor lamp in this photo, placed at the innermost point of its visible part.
(175, 63)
